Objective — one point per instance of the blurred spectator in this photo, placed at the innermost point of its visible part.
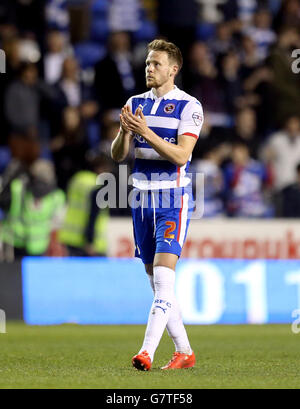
(177, 22)
(114, 75)
(282, 153)
(84, 231)
(69, 84)
(33, 210)
(72, 90)
(242, 10)
(15, 169)
(210, 12)
(204, 84)
(150, 7)
(261, 32)
(57, 51)
(124, 15)
(30, 51)
(230, 10)
(246, 10)
(11, 47)
(257, 83)
(57, 15)
(25, 146)
(223, 41)
(19, 50)
(288, 15)
(245, 130)
(69, 147)
(27, 16)
(290, 198)
(259, 94)
(249, 56)
(111, 130)
(209, 166)
(230, 81)
(79, 15)
(245, 181)
(285, 83)
(23, 99)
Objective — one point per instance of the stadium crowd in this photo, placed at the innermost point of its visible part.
(72, 64)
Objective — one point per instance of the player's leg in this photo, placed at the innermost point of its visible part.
(183, 356)
(171, 230)
(165, 311)
(169, 235)
(145, 249)
(175, 327)
(164, 296)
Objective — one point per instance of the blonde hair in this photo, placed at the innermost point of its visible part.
(171, 49)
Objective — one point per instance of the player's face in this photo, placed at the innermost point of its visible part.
(159, 69)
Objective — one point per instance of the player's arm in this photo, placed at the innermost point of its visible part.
(177, 154)
(121, 144)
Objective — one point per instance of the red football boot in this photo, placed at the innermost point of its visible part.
(181, 361)
(142, 361)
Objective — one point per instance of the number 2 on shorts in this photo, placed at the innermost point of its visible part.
(169, 230)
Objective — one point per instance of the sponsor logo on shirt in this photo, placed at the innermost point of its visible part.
(197, 117)
(140, 139)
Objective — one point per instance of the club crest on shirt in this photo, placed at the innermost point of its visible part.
(197, 117)
(169, 108)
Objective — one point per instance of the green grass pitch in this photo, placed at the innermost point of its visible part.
(73, 356)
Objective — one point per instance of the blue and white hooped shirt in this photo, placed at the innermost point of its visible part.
(176, 113)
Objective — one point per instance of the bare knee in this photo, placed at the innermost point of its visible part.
(149, 269)
(168, 260)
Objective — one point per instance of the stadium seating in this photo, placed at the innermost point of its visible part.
(147, 31)
(99, 28)
(89, 53)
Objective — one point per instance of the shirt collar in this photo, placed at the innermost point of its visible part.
(169, 95)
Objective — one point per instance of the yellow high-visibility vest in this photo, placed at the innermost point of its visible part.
(78, 211)
(28, 223)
